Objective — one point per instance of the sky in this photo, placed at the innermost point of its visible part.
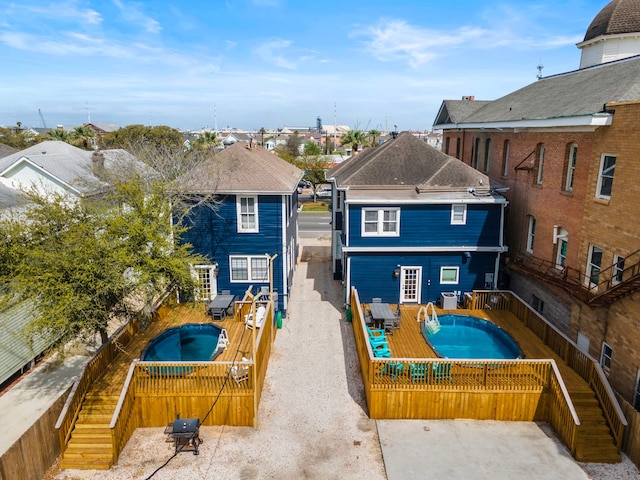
(250, 64)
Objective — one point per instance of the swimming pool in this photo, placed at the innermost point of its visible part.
(464, 336)
(192, 342)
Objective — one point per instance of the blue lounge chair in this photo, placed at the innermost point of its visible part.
(393, 369)
(441, 372)
(419, 372)
(382, 352)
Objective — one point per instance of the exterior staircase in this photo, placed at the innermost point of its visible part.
(594, 443)
(90, 446)
(607, 291)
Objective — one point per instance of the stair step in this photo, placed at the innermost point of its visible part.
(85, 464)
(84, 437)
(91, 428)
(103, 418)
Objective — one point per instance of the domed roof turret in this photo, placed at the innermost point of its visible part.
(617, 17)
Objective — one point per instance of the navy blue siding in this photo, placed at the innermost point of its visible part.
(430, 225)
(372, 274)
(214, 234)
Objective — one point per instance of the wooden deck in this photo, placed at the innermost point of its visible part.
(113, 379)
(527, 395)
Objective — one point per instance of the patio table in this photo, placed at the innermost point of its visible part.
(381, 314)
(219, 306)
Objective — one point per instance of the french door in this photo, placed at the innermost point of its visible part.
(411, 279)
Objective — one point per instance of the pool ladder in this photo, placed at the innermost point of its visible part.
(431, 323)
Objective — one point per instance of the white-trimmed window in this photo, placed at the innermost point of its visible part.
(247, 208)
(458, 214)
(593, 266)
(605, 357)
(605, 176)
(531, 235)
(450, 275)
(571, 167)
(380, 222)
(618, 269)
(206, 286)
(249, 268)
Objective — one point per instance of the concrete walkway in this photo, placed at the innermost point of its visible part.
(313, 420)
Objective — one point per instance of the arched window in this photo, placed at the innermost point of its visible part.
(475, 153)
(458, 148)
(506, 152)
(539, 163)
(487, 152)
(447, 141)
(570, 167)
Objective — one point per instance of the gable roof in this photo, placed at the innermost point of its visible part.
(70, 165)
(573, 98)
(240, 169)
(410, 164)
(455, 111)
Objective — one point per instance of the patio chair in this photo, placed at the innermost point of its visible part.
(240, 373)
(419, 372)
(389, 325)
(382, 353)
(375, 332)
(261, 314)
(398, 315)
(393, 369)
(441, 372)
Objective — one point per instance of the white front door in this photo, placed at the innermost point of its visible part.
(410, 281)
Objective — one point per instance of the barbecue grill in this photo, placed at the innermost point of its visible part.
(185, 433)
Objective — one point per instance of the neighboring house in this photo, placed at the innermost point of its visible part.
(51, 166)
(567, 148)
(409, 223)
(236, 137)
(256, 217)
(101, 129)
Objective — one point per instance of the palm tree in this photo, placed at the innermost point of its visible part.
(82, 137)
(59, 134)
(208, 140)
(262, 131)
(355, 138)
(373, 134)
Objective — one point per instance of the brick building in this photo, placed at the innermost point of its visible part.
(567, 148)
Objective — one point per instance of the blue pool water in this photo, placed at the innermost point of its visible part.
(187, 343)
(464, 336)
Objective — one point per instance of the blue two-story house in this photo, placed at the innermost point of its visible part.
(411, 223)
(250, 230)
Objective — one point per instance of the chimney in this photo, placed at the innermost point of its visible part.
(469, 98)
(97, 162)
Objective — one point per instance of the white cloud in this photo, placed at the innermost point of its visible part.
(276, 52)
(132, 12)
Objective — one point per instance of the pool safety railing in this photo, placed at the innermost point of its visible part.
(431, 323)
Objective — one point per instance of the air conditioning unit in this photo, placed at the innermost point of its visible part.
(449, 300)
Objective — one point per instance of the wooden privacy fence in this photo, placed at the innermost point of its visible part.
(582, 363)
(434, 388)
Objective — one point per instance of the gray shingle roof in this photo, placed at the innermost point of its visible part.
(455, 111)
(238, 169)
(6, 150)
(73, 165)
(617, 17)
(408, 162)
(578, 93)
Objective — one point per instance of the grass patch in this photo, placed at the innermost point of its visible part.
(319, 206)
